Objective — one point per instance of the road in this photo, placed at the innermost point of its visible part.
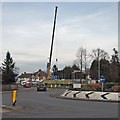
(42, 105)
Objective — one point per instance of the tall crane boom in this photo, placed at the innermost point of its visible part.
(49, 64)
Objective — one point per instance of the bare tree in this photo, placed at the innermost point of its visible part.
(75, 62)
(85, 60)
(98, 54)
(81, 60)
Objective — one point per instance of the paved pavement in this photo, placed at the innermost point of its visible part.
(19, 90)
(42, 105)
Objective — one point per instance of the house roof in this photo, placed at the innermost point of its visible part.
(25, 75)
(28, 75)
(40, 73)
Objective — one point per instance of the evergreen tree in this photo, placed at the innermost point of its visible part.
(115, 67)
(74, 67)
(104, 69)
(115, 58)
(94, 69)
(8, 75)
(55, 70)
(67, 72)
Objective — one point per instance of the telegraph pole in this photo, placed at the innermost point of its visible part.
(81, 64)
(98, 64)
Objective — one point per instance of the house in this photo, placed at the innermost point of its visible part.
(39, 75)
(25, 77)
(32, 77)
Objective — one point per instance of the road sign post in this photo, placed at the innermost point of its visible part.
(102, 80)
(16, 79)
(102, 86)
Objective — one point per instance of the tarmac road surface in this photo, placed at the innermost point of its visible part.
(42, 105)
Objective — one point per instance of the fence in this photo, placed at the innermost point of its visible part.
(9, 87)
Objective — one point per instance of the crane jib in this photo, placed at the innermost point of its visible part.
(48, 69)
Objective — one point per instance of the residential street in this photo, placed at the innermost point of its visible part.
(42, 105)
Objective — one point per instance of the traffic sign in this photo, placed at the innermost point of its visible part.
(102, 79)
(16, 78)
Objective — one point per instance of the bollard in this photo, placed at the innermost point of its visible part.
(14, 97)
(55, 86)
(51, 85)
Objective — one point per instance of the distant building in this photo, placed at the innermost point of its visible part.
(86, 80)
(76, 74)
(25, 77)
(39, 75)
(32, 77)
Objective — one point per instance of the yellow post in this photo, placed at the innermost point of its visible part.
(14, 97)
(51, 85)
(55, 85)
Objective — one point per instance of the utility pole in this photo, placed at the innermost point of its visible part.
(98, 64)
(81, 63)
(85, 64)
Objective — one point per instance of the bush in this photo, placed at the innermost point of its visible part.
(93, 87)
(87, 87)
(109, 86)
(116, 88)
(98, 89)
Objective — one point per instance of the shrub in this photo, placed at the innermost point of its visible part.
(95, 85)
(116, 88)
(109, 85)
(98, 89)
(92, 86)
(88, 87)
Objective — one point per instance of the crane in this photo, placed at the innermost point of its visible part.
(49, 63)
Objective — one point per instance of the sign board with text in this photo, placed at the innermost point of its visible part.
(76, 85)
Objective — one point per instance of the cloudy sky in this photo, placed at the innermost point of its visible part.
(27, 30)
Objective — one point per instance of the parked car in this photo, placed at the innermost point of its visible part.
(41, 87)
(23, 82)
(27, 85)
